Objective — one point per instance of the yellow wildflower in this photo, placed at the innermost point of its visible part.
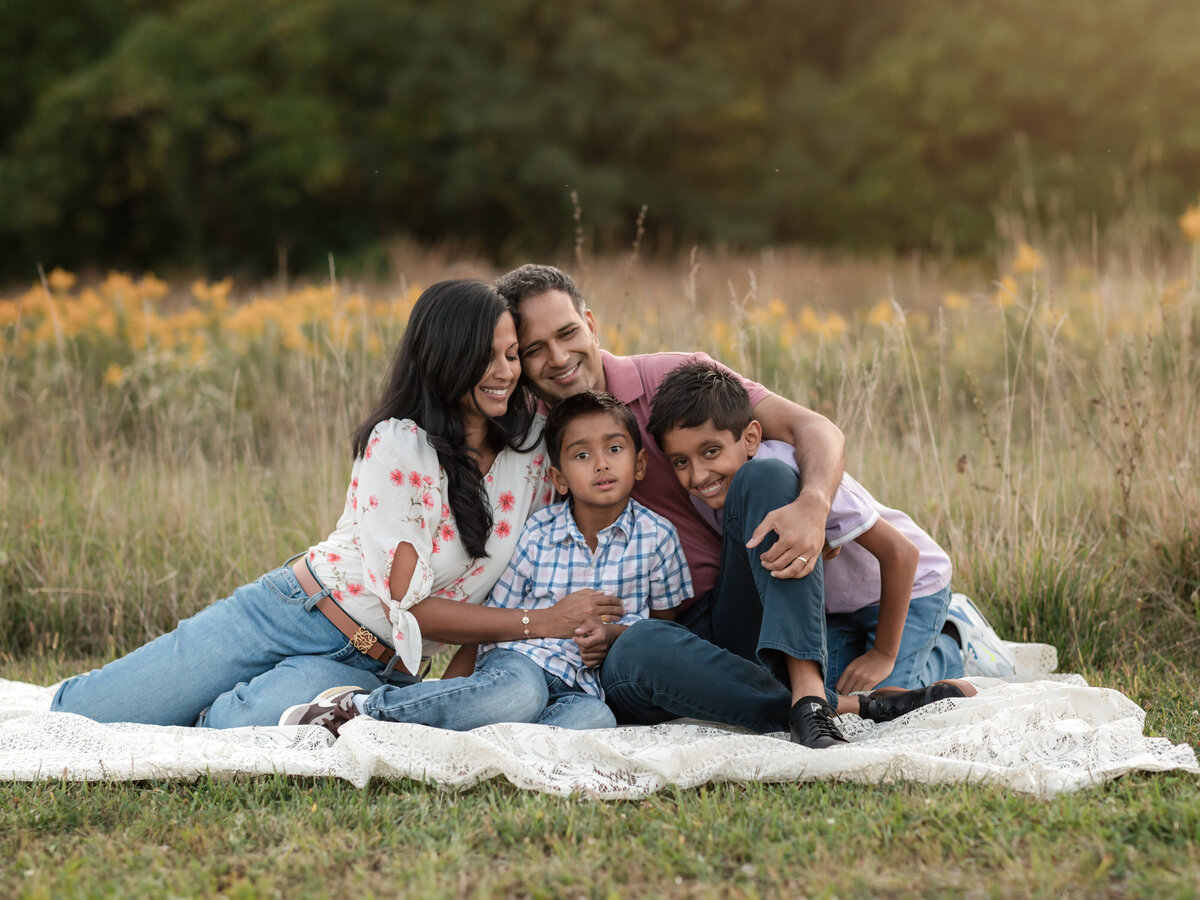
(1189, 223)
(835, 326)
(114, 374)
(10, 312)
(1027, 260)
(882, 313)
(954, 300)
(777, 308)
(810, 322)
(1006, 292)
(60, 280)
(152, 287)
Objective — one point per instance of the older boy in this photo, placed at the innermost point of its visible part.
(886, 593)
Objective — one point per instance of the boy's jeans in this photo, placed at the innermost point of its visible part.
(242, 661)
(506, 686)
(722, 660)
(927, 654)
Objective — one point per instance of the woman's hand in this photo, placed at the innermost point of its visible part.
(579, 609)
(594, 639)
(865, 672)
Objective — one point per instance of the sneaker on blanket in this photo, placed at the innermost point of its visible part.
(887, 704)
(812, 724)
(983, 651)
(330, 709)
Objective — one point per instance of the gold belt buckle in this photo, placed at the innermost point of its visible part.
(363, 640)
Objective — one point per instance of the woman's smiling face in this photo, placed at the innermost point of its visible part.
(490, 396)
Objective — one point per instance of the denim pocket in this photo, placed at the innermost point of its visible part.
(283, 585)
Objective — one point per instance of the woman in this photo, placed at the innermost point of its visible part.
(445, 472)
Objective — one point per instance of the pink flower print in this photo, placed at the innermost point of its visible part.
(354, 482)
(391, 554)
(447, 533)
(427, 479)
(374, 580)
(477, 572)
(374, 502)
(333, 557)
(414, 478)
(397, 477)
(367, 452)
(546, 497)
(427, 500)
(446, 511)
(507, 501)
(355, 589)
(503, 529)
(337, 595)
(437, 548)
(539, 459)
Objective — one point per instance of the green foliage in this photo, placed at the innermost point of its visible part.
(232, 135)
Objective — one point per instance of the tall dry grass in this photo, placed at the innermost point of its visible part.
(1039, 416)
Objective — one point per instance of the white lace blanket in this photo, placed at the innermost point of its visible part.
(1041, 736)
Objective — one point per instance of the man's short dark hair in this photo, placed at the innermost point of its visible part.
(696, 393)
(530, 280)
(583, 404)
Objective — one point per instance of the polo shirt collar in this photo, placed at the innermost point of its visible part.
(621, 377)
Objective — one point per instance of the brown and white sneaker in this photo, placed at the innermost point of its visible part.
(330, 709)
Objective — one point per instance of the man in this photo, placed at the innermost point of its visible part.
(661, 670)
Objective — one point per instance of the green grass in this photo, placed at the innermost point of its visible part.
(270, 836)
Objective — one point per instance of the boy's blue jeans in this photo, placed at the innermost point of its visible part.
(927, 654)
(723, 660)
(506, 686)
(242, 661)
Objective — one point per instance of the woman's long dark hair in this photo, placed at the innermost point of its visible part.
(445, 351)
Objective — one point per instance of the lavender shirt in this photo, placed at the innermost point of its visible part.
(852, 577)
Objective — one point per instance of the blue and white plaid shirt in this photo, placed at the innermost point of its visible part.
(638, 558)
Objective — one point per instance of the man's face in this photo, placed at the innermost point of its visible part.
(560, 352)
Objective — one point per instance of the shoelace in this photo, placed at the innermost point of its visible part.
(825, 726)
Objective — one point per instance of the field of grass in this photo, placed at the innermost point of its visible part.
(165, 442)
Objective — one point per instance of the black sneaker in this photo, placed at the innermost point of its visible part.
(330, 709)
(812, 724)
(883, 706)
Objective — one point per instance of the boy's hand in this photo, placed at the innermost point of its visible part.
(865, 672)
(580, 608)
(594, 639)
(801, 529)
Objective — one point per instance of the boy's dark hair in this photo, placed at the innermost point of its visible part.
(696, 393)
(583, 404)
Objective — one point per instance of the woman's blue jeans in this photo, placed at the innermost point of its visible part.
(242, 661)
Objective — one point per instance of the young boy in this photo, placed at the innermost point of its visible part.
(885, 593)
(598, 539)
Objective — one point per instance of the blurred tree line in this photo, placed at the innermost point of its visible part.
(218, 132)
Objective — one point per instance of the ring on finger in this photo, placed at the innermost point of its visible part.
(802, 560)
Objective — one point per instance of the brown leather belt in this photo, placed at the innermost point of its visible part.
(363, 640)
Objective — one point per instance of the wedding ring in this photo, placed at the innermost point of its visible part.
(801, 559)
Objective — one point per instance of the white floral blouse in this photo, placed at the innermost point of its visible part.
(398, 494)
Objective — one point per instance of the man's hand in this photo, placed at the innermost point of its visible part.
(594, 639)
(865, 672)
(801, 529)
